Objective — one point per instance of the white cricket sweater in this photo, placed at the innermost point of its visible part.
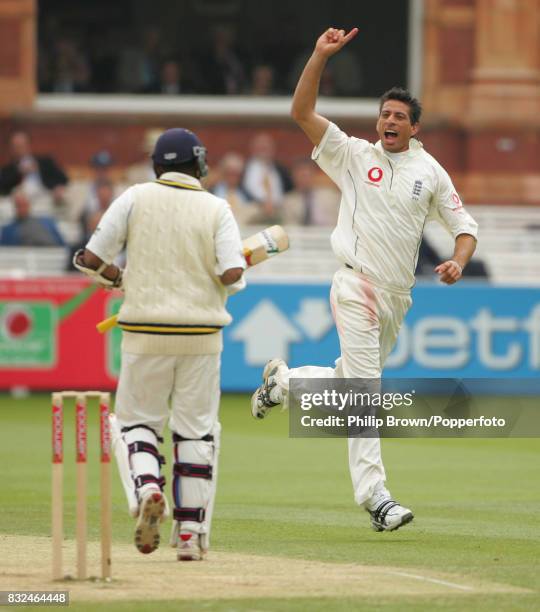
(174, 302)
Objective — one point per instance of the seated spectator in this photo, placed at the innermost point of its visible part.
(262, 81)
(35, 174)
(103, 58)
(130, 68)
(221, 67)
(101, 164)
(229, 187)
(307, 203)
(152, 54)
(265, 180)
(343, 78)
(170, 82)
(143, 170)
(71, 72)
(103, 196)
(171, 78)
(27, 230)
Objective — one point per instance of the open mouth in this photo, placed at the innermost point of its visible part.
(390, 134)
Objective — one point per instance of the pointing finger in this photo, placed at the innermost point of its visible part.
(350, 35)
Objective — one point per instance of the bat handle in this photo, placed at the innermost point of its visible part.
(107, 324)
(247, 256)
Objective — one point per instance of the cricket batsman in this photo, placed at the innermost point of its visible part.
(184, 257)
(388, 192)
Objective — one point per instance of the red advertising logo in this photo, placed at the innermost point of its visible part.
(456, 200)
(17, 322)
(375, 174)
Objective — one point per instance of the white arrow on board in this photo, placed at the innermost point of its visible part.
(314, 317)
(266, 333)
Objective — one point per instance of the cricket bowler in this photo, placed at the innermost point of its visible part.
(388, 192)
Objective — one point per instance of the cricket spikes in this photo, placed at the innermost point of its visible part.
(189, 547)
(389, 516)
(151, 514)
(261, 400)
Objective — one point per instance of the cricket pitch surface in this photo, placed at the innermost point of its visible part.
(27, 566)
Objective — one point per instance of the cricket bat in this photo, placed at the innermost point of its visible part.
(265, 244)
(257, 248)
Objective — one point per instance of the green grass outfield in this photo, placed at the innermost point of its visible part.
(476, 504)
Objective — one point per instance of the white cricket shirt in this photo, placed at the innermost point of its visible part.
(385, 204)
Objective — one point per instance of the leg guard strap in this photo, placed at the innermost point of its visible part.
(194, 470)
(146, 447)
(189, 514)
(178, 438)
(144, 479)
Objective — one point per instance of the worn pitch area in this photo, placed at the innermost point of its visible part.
(26, 565)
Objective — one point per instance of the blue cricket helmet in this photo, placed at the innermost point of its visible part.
(180, 146)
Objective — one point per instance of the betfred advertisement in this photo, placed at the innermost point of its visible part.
(469, 332)
(462, 331)
(48, 338)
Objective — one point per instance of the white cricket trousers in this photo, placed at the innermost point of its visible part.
(368, 319)
(191, 383)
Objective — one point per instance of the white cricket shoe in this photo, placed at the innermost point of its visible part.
(389, 516)
(151, 514)
(261, 400)
(189, 547)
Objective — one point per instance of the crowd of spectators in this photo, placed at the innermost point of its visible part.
(72, 61)
(42, 207)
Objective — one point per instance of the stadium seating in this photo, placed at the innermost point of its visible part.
(509, 242)
(21, 262)
(509, 245)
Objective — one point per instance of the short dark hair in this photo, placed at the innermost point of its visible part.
(403, 95)
(189, 167)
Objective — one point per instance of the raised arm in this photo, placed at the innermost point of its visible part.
(305, 95)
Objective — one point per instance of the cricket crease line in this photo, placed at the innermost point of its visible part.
(434, 580)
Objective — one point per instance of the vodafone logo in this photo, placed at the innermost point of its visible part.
(456, 200)
(375, 174)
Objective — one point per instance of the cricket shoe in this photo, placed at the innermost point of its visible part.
(261, 400)
(189, 547)
(389, 516)
(151, 514)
